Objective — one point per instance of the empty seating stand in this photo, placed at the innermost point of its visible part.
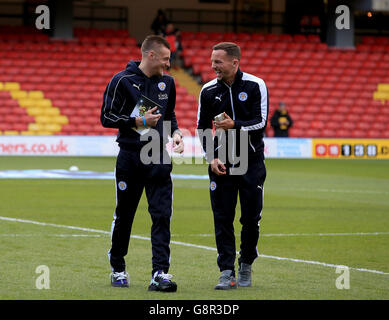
(56, 87)
(329, 93)
(50, 87)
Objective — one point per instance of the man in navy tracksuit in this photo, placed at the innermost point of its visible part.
(242, 99)
(132, 173)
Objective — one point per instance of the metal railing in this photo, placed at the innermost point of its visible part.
(265, 21)
(98, 13)
(23, 13)
(227, 20)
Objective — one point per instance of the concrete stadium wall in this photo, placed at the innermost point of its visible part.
(142, 12)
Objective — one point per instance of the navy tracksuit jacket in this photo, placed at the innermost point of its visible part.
(131, 175)
(246, 102)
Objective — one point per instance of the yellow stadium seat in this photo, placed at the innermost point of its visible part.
(28, 133)
(26, 103)
(35, 94)
(43, 103)
(11, 133)
(1, 86)
(35, 127)
(60, 119)
(43, 119)
(35, 111)
(381, 95)
(53, 127)
(11, 86)
(44, 133)
(383, 87)
(51, 111)
(18, 94)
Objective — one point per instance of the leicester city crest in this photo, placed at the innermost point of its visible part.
(122, 185)
(242, 96)
(162, 86)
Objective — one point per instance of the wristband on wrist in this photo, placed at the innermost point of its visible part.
(144, 121)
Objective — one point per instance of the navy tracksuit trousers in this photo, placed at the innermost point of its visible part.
(131, 177)
(224, 192)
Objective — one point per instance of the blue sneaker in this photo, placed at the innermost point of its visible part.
(120, 279)
(161, 282)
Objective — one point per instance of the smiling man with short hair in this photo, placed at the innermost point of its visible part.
(123, 93)
(241, 101)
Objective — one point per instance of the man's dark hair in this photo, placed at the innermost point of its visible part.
(151, 42)
(232, 49)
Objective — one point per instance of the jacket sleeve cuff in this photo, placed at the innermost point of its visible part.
(237, 124)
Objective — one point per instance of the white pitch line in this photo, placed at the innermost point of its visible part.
(295, 234)
(324, 234)
(333, 190)
(19, 235)
(53, 225)
(188, 244)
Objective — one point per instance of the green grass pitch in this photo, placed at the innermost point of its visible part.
(317, 214)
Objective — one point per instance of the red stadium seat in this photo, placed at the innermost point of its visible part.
(342, 133)
(207, 76)
(215, 36)
(185, 106)
(271, 37)
(363, 126)
(332, 125)
(358, 133)
(296, 132)
(280, 46)
(317, 124)
(378, 126)
(299, 38)
(369, 118)
(200, 35)
(328, 133)
(348, 125)
(257, 37)
(312, 133)
(374, 134)
(351, 117)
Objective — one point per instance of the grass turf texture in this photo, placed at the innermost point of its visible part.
(301, 197)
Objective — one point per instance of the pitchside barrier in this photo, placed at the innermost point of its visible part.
(274, 147)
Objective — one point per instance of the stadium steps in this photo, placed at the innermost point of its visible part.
(188, 91)
(186, 81)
